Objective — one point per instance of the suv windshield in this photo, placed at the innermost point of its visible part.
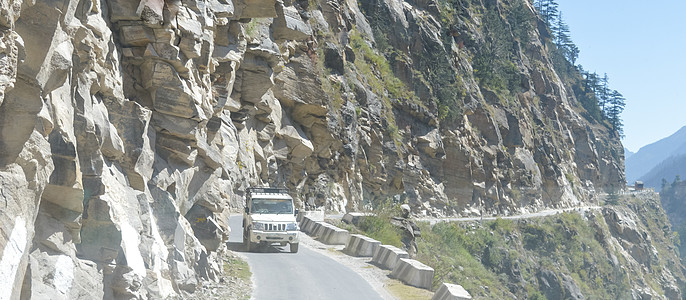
(272, 206)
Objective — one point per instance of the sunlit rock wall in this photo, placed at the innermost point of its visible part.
(130, 129)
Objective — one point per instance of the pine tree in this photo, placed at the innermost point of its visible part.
(616, 104)
(563, 40)
(521, 20)
(573, 54)
(547, 9)
(585, 93)
(603, 93)
(594, 92)
(561, 34)
(592, 83)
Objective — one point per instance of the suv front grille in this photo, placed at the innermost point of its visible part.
(275, 227)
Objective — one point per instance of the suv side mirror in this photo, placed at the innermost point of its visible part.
(247, 210)
(296, 212)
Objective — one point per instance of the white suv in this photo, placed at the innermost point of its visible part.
(269, 218)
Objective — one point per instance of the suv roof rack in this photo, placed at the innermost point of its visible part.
(268, 190)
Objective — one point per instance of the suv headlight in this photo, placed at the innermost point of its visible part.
(257, 226)
(291, 226)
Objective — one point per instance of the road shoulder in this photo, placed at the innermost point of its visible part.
(377, 278)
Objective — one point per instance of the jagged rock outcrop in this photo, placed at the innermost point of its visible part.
(641, 233)
(673, 198)
(130, 129)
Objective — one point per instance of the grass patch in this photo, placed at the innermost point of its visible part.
(380, 229)
(377, 70)
(461, 256)
(237, 268)
(334, 251)
(406, 292)
(378, 74)
(252, 29)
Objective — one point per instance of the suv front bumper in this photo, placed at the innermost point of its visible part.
(257, 236)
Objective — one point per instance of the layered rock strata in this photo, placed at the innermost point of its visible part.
(130, 129)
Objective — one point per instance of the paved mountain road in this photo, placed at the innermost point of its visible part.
(278, 274)
(539, 214)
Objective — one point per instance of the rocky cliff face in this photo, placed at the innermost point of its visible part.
(673, 198)
(130, 129)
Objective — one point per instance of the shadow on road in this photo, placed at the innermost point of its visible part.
(236, 247)
(239, 247)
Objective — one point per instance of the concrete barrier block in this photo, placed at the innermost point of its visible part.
(355, 217)
(332, 235)
(319, 229)
(361, 246)
(316, 229)
(307, 225)
(314, 215)
(387, 256)
(449, 291)
(413, 273)
(302, 223)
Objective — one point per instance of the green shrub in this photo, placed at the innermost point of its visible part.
(381, 229)
(476, 256)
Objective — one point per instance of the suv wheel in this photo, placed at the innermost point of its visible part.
(294, 248)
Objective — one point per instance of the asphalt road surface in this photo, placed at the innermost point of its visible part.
(543, 213)
(278, 274)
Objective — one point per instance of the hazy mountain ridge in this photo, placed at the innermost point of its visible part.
(666, 170)
(648, 157)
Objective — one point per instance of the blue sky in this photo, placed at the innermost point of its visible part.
(641, 45)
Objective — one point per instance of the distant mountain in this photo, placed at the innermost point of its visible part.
(650, 156)
(667, 169)
(628, 153)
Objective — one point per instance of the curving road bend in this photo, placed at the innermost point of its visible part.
(538, 214)
(278, 274)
